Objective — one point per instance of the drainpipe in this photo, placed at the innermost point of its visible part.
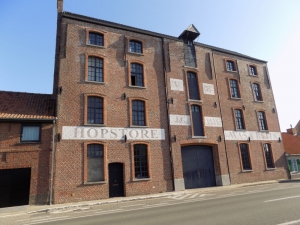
(169, 127)
(52, 162)
(221, 116)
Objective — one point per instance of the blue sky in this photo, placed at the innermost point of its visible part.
(264, 29)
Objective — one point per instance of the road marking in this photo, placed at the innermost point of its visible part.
(193, 196)
(278, 199)
(290, 223)
(47, 220)
(132, 205)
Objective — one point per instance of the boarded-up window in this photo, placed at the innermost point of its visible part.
(95, 163)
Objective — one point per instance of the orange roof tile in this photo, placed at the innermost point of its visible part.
(20, 105)
(291, 143)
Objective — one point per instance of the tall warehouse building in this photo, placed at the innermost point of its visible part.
(141, 112)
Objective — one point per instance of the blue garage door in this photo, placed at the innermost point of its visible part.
(198, 166)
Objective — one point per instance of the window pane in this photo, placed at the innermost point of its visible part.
(135, 46)
(257, 92)
(197, 120)
(245, 156)
(268, 154)
(95, 163)
(95, 69)
(95, 39)
(95, 110)
(239, 119)
(137, 74)
(234, 89)
(262, 121)
(31, 133)
(193, 86)
(140, 161)
(138, 113)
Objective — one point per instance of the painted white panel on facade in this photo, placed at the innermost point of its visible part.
(254, 135)
(111, 133)
(176, 84)
(208, 89)
(183, 120)
(213, 121)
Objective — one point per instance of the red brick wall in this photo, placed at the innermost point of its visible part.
(37, 156)
(69, 175)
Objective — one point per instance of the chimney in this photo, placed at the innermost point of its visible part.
(292, 131)
(60, 5)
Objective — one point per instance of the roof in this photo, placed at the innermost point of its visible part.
(141, 31)
(291, 143)
(26, 106)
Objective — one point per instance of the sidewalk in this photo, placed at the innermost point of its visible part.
(30, 209)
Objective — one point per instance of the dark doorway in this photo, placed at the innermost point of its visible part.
(198, 166)
(14, 187)
(116, 182)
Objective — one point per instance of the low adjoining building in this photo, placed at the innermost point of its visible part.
(26, 124)
(291, 142)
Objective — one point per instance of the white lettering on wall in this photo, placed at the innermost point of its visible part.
(208, 89)
(111, 133)
(213, 121)
(254, 135)
(182, 120)
(176, 84)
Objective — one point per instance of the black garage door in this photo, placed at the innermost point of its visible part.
(14, 187)
(198, 166)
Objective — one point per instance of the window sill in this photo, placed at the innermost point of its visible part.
(140, 87)
(232, 71)
(136, 126)
(199, 137)
(194, 100)
(247, 171)
(95, 183)
(233, 98)
(188, 67)
(270, 169)
(29, 142)
(136, 53)
(240, 129)
(94, 125)
(259, 101)
(265, 131)
(97, 46)
(141, 179)
(253, 75)
(95, 82)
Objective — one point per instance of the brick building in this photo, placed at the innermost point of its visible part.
(141, 112)
(291, 143)
(26, 124)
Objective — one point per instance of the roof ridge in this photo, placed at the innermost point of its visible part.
(119, 25)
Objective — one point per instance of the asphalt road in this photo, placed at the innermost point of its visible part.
(264, 204)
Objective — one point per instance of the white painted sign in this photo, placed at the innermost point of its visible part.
(254, 135)
(182, 120)
(111, 133)
(208, 89)
(176, 84)
(213, 121)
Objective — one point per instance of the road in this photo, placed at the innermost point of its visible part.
(271, 204)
